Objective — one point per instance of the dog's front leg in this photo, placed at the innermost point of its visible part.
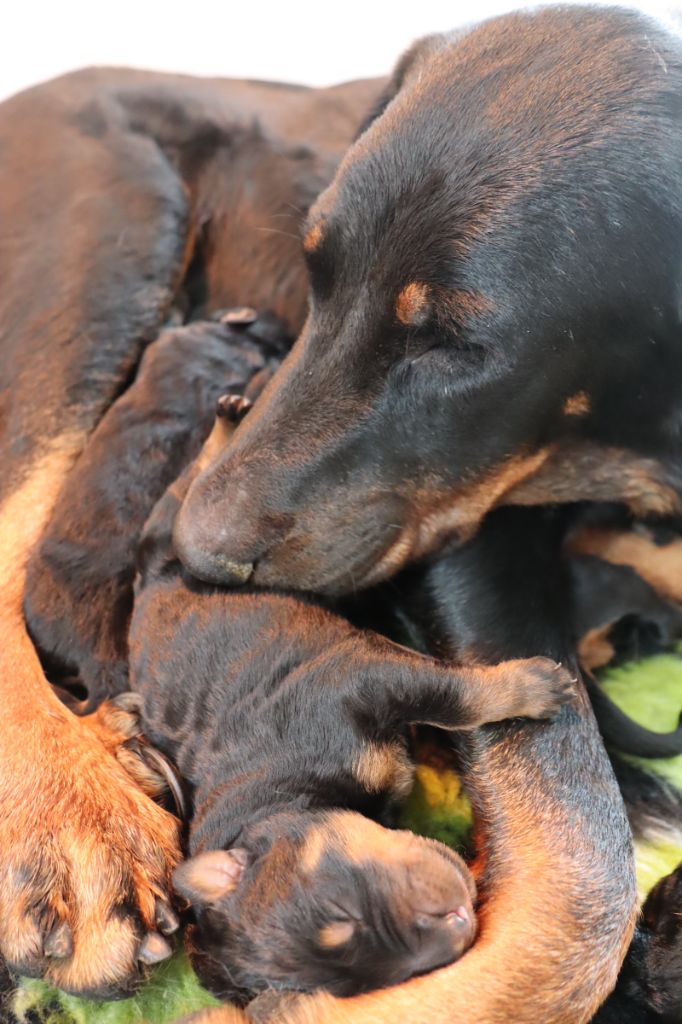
(93, 242)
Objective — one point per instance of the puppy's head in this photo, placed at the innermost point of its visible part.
(325, 900)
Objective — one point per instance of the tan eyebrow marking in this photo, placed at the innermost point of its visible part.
(578, 404)
(412, 305)
(313, 237)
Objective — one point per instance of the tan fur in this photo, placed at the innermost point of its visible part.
(75, 835)
(659, 565)
(114, 728)
(455, 513)
(360, 838)
(313, 237)
(594, 648)
(23, 516)
(590, 472)
(383, 766)
(461, 306)
(577, 405)
(336, 934)
(412, 304)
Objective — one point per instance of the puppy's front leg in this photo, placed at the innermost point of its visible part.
(400, 687)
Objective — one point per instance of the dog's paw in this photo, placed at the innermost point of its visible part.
(536, 688)
(85, 859)
(118, 725)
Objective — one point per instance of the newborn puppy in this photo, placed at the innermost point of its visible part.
(78, 594)
(290, 726)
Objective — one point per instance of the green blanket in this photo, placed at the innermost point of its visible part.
(650, 691)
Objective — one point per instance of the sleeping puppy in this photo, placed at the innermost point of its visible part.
(289, 725)
(617, 616)
(78, 595)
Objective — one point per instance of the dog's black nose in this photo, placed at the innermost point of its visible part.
(196, 545)
(211, 567)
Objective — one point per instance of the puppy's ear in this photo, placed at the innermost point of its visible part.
(208, 877)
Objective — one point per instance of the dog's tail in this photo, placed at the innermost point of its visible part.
(653, 804)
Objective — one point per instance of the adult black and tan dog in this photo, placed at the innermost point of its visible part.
(495, 309)
(545, 262)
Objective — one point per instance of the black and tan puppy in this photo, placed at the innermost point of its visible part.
(649, 989)
(553, 872)
(289, 726)
(79, 582)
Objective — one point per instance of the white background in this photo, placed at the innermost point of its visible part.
(292, 40)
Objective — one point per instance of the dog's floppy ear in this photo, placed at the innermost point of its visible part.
(208, 877)
(408, 63)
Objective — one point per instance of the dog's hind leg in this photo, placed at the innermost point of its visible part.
(93, 243)
(557, 866)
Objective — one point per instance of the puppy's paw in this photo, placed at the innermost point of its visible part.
(536, 688)
(85, 860)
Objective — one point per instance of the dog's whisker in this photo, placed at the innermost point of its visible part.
(277, 231)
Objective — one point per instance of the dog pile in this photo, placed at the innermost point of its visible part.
(247, 583)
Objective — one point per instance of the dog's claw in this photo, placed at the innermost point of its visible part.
(128, 701)
(233, 407)
(154, 949)
(59, 943)
(241, 316)
(166, 919)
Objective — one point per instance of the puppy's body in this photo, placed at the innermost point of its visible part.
(79, 582)
(278, 713)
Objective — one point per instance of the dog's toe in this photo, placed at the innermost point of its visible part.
(85, 863)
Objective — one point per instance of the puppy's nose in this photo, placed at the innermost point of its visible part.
(444, 938)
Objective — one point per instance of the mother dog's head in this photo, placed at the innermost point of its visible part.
(497, 251)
